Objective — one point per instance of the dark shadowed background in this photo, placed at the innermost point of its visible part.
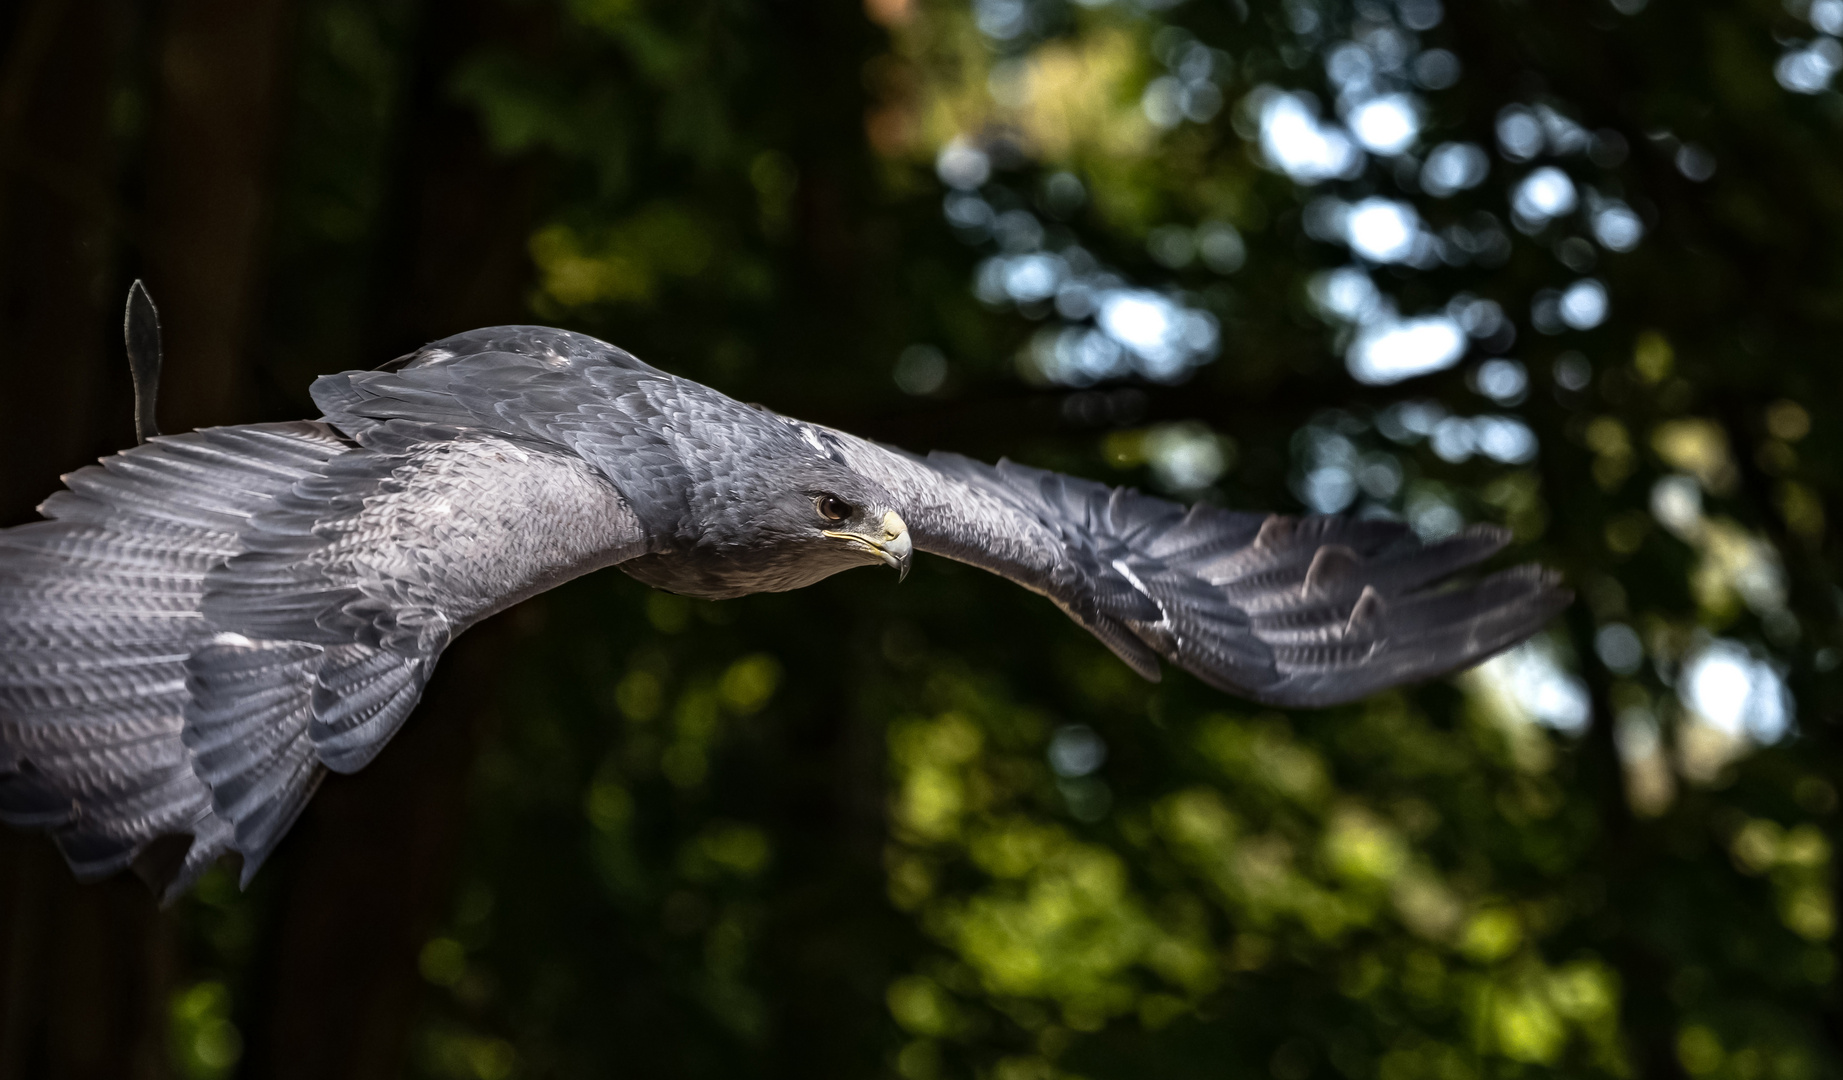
(1573, 266)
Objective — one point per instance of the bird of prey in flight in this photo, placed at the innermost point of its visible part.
(206, 624)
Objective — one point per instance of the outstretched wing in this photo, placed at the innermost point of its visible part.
(210, 622)
(99, 616)
(1298, 611)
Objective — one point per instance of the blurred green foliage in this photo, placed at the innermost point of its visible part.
(935, 831)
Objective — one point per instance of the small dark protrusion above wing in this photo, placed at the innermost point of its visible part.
(141, 334)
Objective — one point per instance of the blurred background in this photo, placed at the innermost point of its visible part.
(1575, 267)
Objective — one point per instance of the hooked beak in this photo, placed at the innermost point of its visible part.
(892, 548)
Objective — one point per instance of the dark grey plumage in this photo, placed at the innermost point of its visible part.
(141, 335)
(209, 622)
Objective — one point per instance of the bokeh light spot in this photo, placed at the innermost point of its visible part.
(1391, 351)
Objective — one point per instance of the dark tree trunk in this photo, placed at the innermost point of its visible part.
(458, 219)
(365, 883)
(830, 937)
(83, 968)
(218, 113)
(86, 967)
(59, 228)
(368, 871)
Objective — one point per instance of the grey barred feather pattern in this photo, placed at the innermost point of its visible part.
(100, 612)
(208, 623)
(1287, 611)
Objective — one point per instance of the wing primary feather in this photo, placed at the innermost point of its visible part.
(1304, 611)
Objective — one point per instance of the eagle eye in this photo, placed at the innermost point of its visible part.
(832, 508)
